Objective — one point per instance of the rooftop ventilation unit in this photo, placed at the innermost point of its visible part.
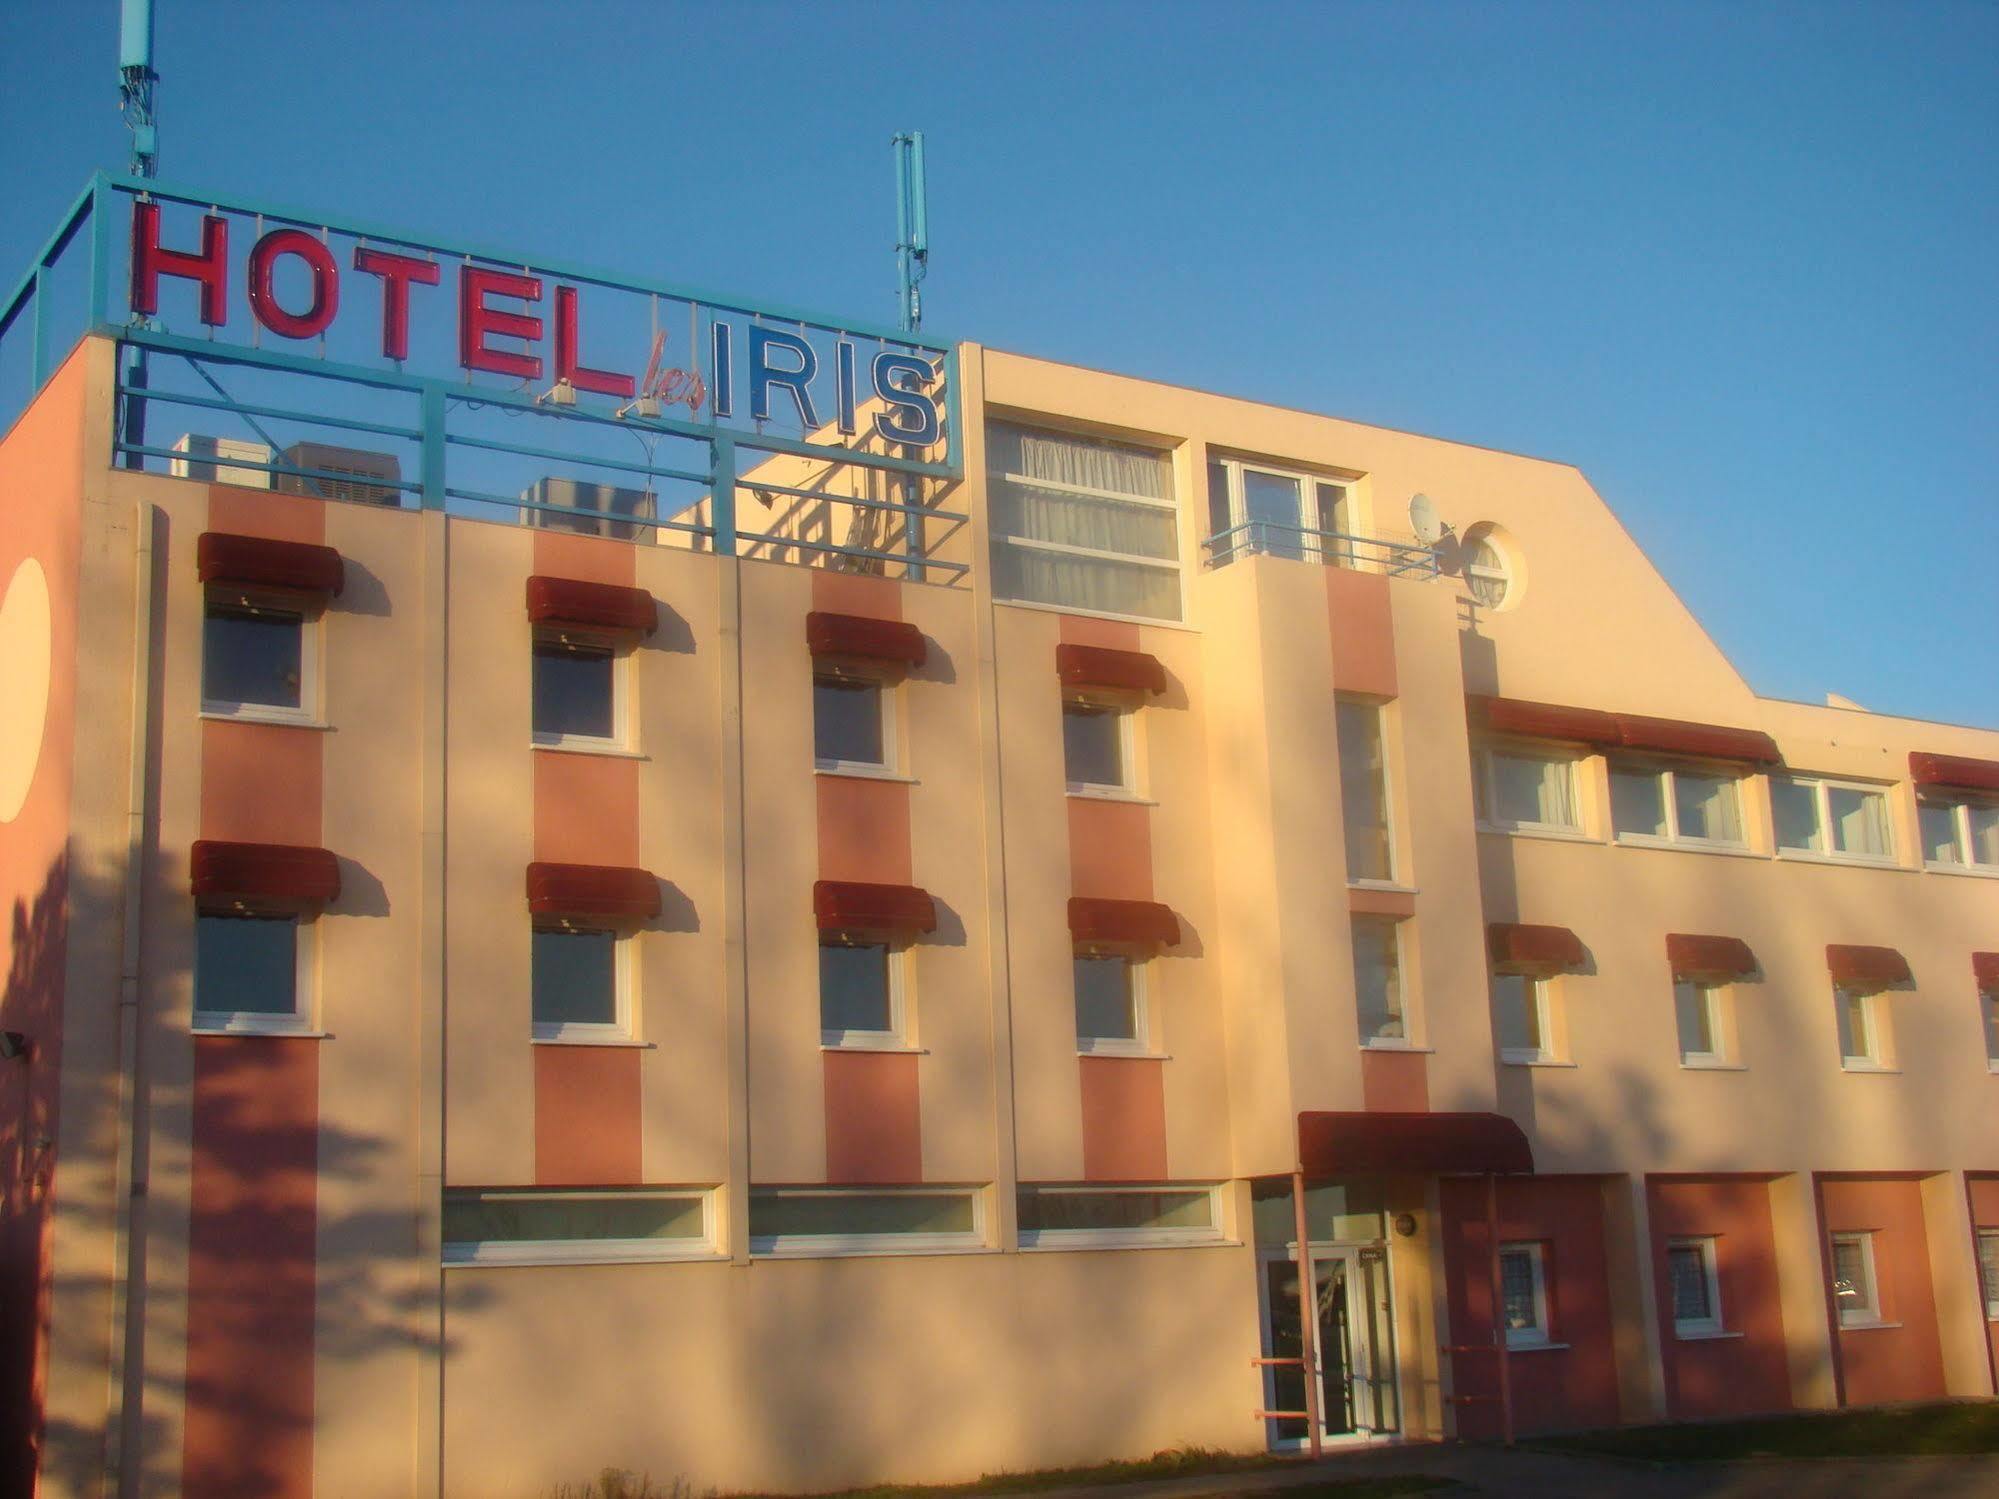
(596, 506)
(355, 468)
(208, 459)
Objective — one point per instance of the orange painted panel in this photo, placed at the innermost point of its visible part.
(586, 808)
(265, 513)
(856, 593)
(1124, 1119)
(260, 783)
(251, 1268)
(1394, 1082)
(873, 1123)
(1745, 1375)
(1399, 904)
(1110, 849)
(864, 830)
(1889, 1363)
(589, 559)
(1363, 632)
(1111, 634)
(586, 1116)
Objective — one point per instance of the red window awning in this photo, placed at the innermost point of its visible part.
(1101, 666)
(1709, 957)
(1353, 1144)
(1549, 949)
(606, 891)
(1144, 923)
(1868, 967)
(848, 906)
(1959, 772)
(280, 875)
(591, 606)
(870, 639)
(258, 562)
(1632, 731)
(1510, 715)
(1985, 969)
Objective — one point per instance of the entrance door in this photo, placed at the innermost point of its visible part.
(1353, 1342)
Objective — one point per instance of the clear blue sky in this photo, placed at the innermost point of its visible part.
(1740, 263)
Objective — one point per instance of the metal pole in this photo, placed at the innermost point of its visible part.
(135, 84)
(1498, 1309)
(1308, 1309)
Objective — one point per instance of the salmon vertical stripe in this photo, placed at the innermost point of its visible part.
(251, 1268)
(874, 1128)
(864, 831)
(586, 1116)
(1124, 1119)
(1110, 849)
(1363, 632)
(586, 809)
(1394, 1082)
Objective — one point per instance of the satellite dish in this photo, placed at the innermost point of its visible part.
(1423, 519)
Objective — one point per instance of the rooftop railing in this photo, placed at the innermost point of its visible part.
(1265, 538)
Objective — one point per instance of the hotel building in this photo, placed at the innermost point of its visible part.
(869, 973)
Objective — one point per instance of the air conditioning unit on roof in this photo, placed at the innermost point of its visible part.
(208, 459)
(594, 509)
(342, 474)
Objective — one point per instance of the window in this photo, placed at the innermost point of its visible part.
(1692, 1273)
(258, 658)
(1094, 1217)
(1082, 523)
(1959, 832)
(853, 726)
(1853, 1283)
(1110, 1004)
(1253, 507)
(1988, 1269)
(1485, 574)
(532, 1226)
(832, 1220)
(1096, 747)
(251, 972)
(1523, 1294)
(578, 691)
(581, 978)
(860, 991)
(1525, 1030)
(1697, 1012)
(1834, 819)
(1862, 1030)
(1364, 792)
(1530, 790)
(1377, 981)
(1675, 804)
(1988, 1009)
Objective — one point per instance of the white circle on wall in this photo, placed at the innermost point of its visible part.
(24, 683)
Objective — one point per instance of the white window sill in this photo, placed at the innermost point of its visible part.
(1847, 861)
(1688, 1064)
(1387, 887)
(854, 770)
(1513, 1347)
(1082, 1240)
(1109, 794)
(880, 1048)
(1521, 1059)
(1874, 1068)
(1689, 846)
(1554, 835)
(1130, 1049)
(1134, 619)
(1396, 1046)
(630, 1042)
(1845, 1326)
(509, 1256)
(767, 1249)
(204, 1026)
(1971, 871)
(273, 717)
(606, 748)
(1716, 1335)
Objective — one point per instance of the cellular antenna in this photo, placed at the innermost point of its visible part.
(135, 84)
(912, 226)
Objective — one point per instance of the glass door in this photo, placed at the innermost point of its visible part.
(1353, 1342)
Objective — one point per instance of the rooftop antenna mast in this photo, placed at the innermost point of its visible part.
(135, 84)
(912, 226)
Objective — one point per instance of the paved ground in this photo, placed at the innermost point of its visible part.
(1498, 1474)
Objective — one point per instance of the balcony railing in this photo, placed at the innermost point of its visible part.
(1266, 538)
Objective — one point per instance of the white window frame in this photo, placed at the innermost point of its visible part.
(1407, 1040)
(622, 681)
(1141, 1042)
(624, 978)
(591, 1251)
(1714, 998)
(898, 1037)
(311, 615)
(1489, 815)
(1123, 712)
(300, 1021)
(1988, 1026)
(1822, 787)
(1876, 1057)
(822, 1246)
(1538, 996)
(885, 685)
(1390, 832)
(1312, 518)
(1539, 1335)
(1665, 772)
(1870, 1315)
(1959, 805)
(1126, 1238)
(1989, 1276)
(1482, 573)
(1712, 1325)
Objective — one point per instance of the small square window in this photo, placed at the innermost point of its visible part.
(1377, 981)
(1523, 1291)
(851, 724)
(1523, 1005)
(1862, 1030)
(581, 984)
(1697, 1013)
(1834, 819)
(1675, 804)
(257, 658)
(860, 991)
(1529, 790)
(578, 691)
(1853, 1283)
(1096, 746)
(1110, 1004)
(1959, 832)
(249, 972)
(1693, 1275)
